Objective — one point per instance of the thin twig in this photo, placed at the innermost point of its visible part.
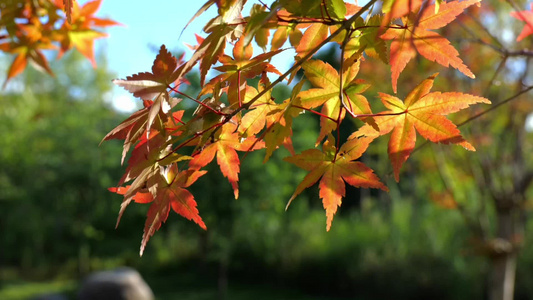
(498, 70)
(515, 96)
(199, 102)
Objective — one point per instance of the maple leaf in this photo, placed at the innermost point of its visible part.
(129, 130)
(311, 38)
(334, 169)
(279, 132)
(25, 54)
(421, 112)
(148, 86)
(255, 25)
(526, 16)
(286, 30)
(83, 41)
(236, 70)
(28, 48)
(368, 39)
(323, 9)
(327, 80)
(225, 148)
(414, 36)
(171, 193)
(227, 26)
(143, 168)
(262, 113)
(79, 31)
(394, 9)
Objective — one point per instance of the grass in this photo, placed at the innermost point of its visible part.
(23, 290)
(27, 290)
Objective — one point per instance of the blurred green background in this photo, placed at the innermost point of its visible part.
(420, 241)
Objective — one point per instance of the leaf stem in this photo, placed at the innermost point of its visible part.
(199, 102)
(264, 4)
(239, 87)
(381, 114)
(323, 5)
(178, 120)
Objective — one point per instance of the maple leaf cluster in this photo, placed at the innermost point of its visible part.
(172, 146)
(27, 28)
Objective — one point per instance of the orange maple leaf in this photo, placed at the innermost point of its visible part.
(79, 29)
(312, 37)
(398, 9)
(279, 122)
(242, 66)
(25, 54)
(414, 36)
(28, 47)
(225, 148)
(526, 16)
(334, 169)
(421, 111)
(264, 111)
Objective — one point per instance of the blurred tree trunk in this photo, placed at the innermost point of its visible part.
(509, 202)
(510, 222)
(223, 279)
(503, 258)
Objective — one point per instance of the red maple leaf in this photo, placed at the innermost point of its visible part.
(333, 169)
(154, 85)
(414, 36)
(421, 111)
(526, 16)
(171, 193)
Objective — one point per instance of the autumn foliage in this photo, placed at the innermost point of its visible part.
(170, 146)
(27, 28)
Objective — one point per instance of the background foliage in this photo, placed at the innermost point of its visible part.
(58, 219)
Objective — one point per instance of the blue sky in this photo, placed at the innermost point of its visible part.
(148, 25)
